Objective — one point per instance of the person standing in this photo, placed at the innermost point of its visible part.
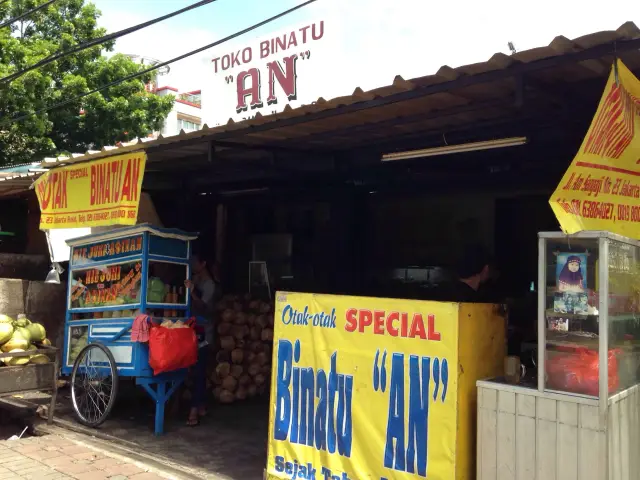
(473, 272)
(203, 292)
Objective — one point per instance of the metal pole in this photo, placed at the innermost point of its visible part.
(542, 300)
(603, 327)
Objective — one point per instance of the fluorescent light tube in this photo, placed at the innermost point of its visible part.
(449, 149)
(248, 191)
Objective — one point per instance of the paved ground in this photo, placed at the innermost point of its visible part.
(230, 443)
(53, 457)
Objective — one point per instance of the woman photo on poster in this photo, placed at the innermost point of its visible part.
(572, 276)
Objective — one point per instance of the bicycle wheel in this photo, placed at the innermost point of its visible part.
(94, 384)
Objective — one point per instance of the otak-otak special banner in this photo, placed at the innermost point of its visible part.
(362, 388)
(601, 188)
(92, 194)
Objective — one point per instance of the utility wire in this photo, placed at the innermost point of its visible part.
(163, 64)
(97, 41)
(27, 13)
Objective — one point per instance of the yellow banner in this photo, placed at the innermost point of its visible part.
(601, 188)
(362, 388)
(92, 194)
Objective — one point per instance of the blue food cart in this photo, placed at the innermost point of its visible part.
(113, 277)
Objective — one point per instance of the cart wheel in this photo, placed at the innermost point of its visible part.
(94, 384)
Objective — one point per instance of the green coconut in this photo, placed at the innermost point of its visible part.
(25, 333)
(6, 331)
(14, 361)
(6, 319)
(39, 359)
(22, 321)
(17, 341)
(37, 331)
(46, 342)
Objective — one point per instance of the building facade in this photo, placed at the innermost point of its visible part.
(186, 113)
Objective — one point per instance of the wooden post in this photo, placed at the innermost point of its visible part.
(221, 231)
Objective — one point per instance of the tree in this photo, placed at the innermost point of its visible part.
(119, 113)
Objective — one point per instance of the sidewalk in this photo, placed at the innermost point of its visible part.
(52, 457)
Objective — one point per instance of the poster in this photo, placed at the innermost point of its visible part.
(362, 388)
(92, 194)
(601, 188)
(571, 272)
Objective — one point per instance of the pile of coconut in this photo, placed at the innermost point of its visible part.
(21, 335)
(243, 361)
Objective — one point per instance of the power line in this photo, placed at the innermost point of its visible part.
(106, 38)
(163, 64)
(27, 13)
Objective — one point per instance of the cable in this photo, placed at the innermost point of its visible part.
(97, 41)
(160, 65)
(27, 13)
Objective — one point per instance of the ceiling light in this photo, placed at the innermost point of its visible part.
(450, 149)
(247, 191)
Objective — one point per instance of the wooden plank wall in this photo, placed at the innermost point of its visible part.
(624, 437)
(525, 436)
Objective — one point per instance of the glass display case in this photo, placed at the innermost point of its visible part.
(588, 314)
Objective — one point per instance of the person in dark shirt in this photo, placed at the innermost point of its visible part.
(473, 271)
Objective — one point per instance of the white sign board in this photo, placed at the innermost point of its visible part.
(294, 66)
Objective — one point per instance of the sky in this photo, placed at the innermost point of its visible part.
(380, 38)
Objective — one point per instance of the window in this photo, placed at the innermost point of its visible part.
(187, 126)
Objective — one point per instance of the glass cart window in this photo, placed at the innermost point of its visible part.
(624, 316)
(571, 316)
(106, 286)
(78, 339)
(166, 283)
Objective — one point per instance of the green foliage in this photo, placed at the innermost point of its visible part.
(119, 113)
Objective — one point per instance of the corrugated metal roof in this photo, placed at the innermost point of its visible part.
(451, 97)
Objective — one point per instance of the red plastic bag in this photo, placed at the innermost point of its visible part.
(577, 371)
(172, 349)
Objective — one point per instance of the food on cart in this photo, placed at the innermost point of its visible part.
(22, 321)
(15, 338)
(15, 361)
(156, 290)
(167, 323)
(39, 359)
(6, 332)
(17, 341)
(77, 342)
(25, 333)
(37, 331)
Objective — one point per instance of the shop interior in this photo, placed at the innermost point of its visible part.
(306, 203)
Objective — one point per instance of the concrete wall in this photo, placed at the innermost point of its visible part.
(41, 302)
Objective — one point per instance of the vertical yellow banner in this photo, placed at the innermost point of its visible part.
(92, 194)
(601, 188)
(363, 388)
